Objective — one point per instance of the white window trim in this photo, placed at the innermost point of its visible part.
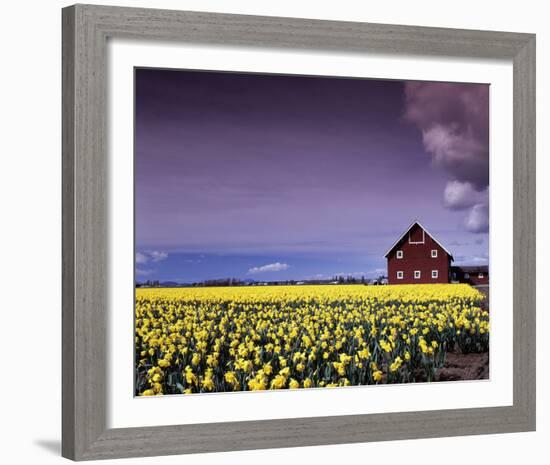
(480, 276)
(466, 275)
(399, 275)
(434, 253)
(417, 274)
(435, 274)
(418, 242)
(399, 254)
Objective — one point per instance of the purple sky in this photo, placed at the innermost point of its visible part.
(278, 177)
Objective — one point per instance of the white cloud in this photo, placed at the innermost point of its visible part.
(477, 220)
(268, 268)
(461, 195)
(157, 256)
(151, 256)
(141, 258)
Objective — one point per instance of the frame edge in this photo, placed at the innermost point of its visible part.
(524, 85)
(84, 433)
(68, 446)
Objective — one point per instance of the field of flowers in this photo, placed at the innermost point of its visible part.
(194, 340)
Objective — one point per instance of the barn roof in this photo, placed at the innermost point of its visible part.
(426, 231)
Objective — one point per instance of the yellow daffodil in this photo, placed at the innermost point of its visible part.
(287, 337)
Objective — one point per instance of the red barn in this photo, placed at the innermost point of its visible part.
(418, 258)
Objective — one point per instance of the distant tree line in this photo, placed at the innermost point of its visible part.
(148, 283)
(225, 282)
(219, 282)
(349, 280)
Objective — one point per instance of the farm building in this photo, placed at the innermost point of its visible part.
(474, 275)
(418, 258)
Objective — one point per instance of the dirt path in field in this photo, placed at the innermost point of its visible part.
(460, 367)
(484, 288)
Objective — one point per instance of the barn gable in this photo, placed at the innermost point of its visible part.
(416, 235)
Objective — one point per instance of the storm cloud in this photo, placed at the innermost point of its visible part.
(454, 121)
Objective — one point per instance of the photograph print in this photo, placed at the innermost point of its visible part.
(301, 232)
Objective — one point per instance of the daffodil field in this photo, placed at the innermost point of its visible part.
(197, 340)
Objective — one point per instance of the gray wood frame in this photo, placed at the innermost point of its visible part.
(85, 32)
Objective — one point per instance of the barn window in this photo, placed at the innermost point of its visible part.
(434, 253)
(435, 274)
(480, 275)
(399, 254)
(399, 275)
(466, 275)
(417, 274)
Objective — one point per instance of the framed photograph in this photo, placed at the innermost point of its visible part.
(282, 232)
